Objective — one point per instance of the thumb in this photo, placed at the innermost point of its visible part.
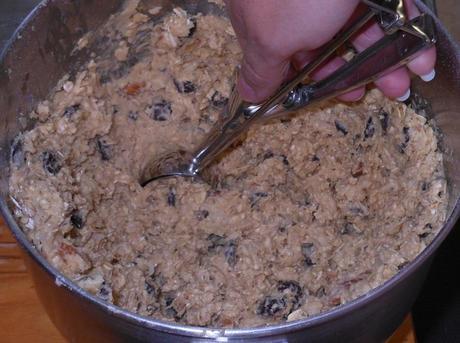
(261, 75)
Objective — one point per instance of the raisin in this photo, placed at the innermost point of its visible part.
(320, 292)
(358, 170)
(384, 118)
(193, 28)
(255, 198)
(406, 139)
(406, 134)
(341, 127)
(104, 149)
(185, 86)
(51, 162)
(171, 197)
(133, 115)
(293, 293)
(428, 230)
(307, 252)
(293, 288)
(71, 110)
(270, 306)
(18, 157)
(424, 235)
(230, 253)
(216, 241)
(269, 154)
(72, 234)
(168, 307)
(160, 111)
(76, 219)
(153, 284)
(201, 214)
(218, 100)
(425, 186)
(149, 288)
(285, 160)
(347, 229)
(104, 292)
(286, 121)
(402, 265)
(370, 128)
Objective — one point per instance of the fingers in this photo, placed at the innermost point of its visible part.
(300, 59)
(395, 84)
(424, 64)
(260, 76)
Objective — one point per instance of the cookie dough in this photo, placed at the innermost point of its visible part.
(304, 214)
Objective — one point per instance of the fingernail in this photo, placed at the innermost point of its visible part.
(404, 97)
(429, 77)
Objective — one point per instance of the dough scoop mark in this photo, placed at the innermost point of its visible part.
(370, 128)
(341, 127)
(51, 162)
(71, 110)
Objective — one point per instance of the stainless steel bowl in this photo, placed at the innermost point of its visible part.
(40, 53)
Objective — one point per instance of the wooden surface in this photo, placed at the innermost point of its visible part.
(23, 319)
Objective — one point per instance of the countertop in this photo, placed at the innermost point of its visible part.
(23, 319)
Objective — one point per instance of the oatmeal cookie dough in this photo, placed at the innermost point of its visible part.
(303, 215)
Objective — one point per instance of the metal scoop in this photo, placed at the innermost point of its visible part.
(404, 39)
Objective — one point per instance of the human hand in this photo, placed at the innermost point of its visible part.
(280, 37)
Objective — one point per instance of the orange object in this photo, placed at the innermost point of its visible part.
(134, 88)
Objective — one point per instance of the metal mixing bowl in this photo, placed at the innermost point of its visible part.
(40, 53)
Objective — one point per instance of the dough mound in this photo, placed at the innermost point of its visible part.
(302, 215)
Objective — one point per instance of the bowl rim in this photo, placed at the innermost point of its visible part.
(195, 331)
